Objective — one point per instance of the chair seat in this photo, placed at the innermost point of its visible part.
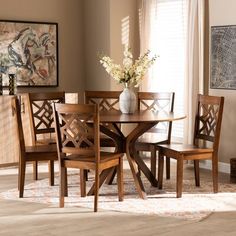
(107, 160)
(185, 148)
(104, 157)
(41, 153)
(41, 148)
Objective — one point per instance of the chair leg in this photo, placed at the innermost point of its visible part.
(21, 178)
(83, 182)
(66, 183)
(215, 174)
(112, 174)
(35, 170)
(62, 186)
(167, 168)
(160, 169)
(179, 183)
(120, 180)
(96, 190)
(196, 173)
(86, 175)
(153, 159)
(51, 172)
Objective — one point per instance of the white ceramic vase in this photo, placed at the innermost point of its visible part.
(127, 101)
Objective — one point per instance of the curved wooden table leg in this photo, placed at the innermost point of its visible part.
(111, 176)
(146, 171)
(127, 145)
(102, 177)
(135, 172)
(135, 160)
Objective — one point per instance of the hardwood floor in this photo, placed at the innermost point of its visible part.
(23, 218)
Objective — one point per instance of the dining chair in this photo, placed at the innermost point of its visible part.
(78, 146)
(41, 123)
(205, 143)
(106, 101)
(159, 134)
(29, 153)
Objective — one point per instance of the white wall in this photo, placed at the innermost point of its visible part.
(222, 12)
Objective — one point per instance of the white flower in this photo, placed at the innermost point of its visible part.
(129, 73)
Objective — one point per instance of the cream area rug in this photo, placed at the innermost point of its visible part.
(195, 204)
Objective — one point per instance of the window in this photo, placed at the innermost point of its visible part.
(168, 31)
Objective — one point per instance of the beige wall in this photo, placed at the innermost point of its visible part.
(68, 14)
(103, 34)
(97, 40)
(223, 13)
(86, 27)
(123, 30)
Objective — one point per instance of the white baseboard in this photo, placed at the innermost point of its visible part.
(223, 167)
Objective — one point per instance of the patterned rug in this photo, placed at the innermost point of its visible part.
(196, 203)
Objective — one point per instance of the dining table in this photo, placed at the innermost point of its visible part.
(144, 120)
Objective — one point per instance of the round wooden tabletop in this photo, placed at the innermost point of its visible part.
(139, 116)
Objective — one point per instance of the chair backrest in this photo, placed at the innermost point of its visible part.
(158, 101)
(16, 111)
(41, 114)
(208, 119)
(77, 129)
(106, 100)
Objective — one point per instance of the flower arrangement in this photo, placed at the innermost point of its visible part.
(130, 73)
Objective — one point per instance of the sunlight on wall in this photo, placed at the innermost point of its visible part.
(125, 30)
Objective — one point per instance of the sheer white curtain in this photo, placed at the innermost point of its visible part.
(194, 79)
(163, 31)
(172, 29)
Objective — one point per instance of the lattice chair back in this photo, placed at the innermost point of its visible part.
(77, 129)
(208, 119)
(157, 102)
(41, 114)
(106, 100)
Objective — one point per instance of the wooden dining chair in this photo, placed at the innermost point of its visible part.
(41, 122)
(29, 153)
(75, 125)
(205, 143)
(161, 133)
(106, 101)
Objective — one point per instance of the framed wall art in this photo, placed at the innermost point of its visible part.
(30, 51)
(223, 57)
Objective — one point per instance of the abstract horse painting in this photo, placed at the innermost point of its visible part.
(30, 50)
